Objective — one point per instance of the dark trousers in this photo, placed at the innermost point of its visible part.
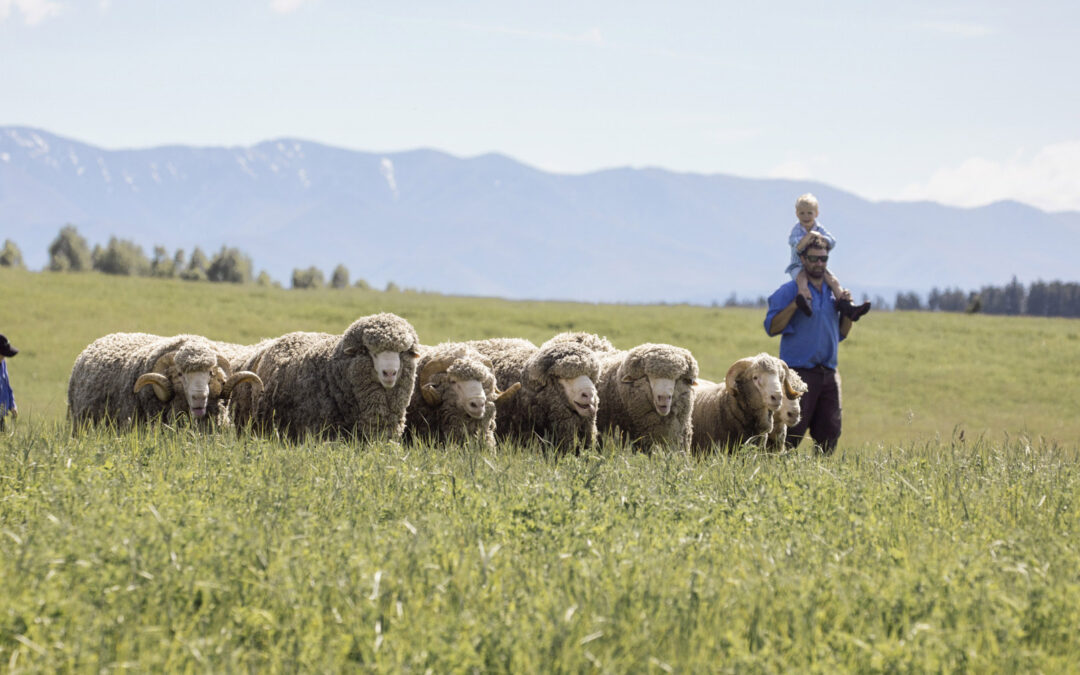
(821, 409)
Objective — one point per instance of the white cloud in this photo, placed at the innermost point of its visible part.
(287, 6)
(1048, 179)
(808, 168)
(958, 28)
(33, 11)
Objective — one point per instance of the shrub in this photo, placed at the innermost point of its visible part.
(122, 257)
(69, 252)
(230, 265)
(312, 277)
(11, 256)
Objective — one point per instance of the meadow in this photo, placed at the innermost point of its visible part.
(940, 536)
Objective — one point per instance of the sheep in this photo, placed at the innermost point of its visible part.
(110, 380)
(455, 396)
(740, 408)
(557, 400)
(789, 412)
(357, 384)
(647, 396)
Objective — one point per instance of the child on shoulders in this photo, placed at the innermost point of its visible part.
(806, 210)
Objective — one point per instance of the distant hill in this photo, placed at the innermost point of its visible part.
(489, 225)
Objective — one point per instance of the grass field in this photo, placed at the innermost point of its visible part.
(941, 535)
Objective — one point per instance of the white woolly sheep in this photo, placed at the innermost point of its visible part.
(130, 377)
(647, 396)
(357, 384)
(455, 396)
(789, 412)
(740, 408)
(557, 400)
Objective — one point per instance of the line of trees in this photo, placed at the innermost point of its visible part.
(1040, 298)
(70, 252)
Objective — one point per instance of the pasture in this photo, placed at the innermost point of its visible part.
(940, 536)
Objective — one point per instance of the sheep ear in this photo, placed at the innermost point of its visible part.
(431, 394)
(501, 395)
(631, 369)
(534, 373)
(223, 363)
(163, 388)
(736, 370)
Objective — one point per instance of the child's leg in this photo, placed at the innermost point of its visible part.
(803, 284)
(838, 291)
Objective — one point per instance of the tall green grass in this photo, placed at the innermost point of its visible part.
(163, 550)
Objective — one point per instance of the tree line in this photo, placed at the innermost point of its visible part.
(1040, 298)
(70, 252)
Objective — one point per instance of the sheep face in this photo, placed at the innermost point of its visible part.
(790, 411)
(384, 342)
(196, 388)
(663, 389)
(581, 394)
(669, 371)
(471, 396)
(763, 375)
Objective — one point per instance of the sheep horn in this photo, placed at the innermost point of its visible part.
(431, 394)
(223, 363)
(162, 386)
(500, 395)
(237, 378)
(736, 370)
(435, 366)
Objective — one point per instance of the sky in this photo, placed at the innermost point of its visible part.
(963, 103)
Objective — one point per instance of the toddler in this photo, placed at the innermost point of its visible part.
(806, 210)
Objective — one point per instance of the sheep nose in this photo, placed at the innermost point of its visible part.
(389, 373)
(476, 407)
(664, 399)
(775, 400)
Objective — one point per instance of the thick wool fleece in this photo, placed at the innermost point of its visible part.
(540, 408)
(729, 417)
(590, 340)
(103, 378)
(626, 401)
(448, 422)
(327, 385)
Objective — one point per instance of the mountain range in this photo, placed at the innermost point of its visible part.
(490, 225)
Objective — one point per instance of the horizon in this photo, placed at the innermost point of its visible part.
(961, 104)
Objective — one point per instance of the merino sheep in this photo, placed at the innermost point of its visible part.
(455, 396)
(647, 395)
(110, 380)
(557, 401)
(789, 412)
(355, 384)
(740, 408)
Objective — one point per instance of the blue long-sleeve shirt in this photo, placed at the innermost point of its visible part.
(7, 396)
(807, 341)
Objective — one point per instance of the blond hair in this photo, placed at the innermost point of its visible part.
(807, 199)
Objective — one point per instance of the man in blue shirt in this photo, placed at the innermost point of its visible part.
(809, 345)
(7, 397)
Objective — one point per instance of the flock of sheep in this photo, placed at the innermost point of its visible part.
(376, 381)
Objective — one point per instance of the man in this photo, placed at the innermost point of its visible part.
(7, 397)
(809, 344)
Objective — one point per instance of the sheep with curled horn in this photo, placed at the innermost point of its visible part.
(739, 409)
(557, 401)
(355, 385)
(455, 396)
(125, 378)
(790, 409)
(647, 395)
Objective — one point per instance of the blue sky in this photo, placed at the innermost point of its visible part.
(959, 102)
